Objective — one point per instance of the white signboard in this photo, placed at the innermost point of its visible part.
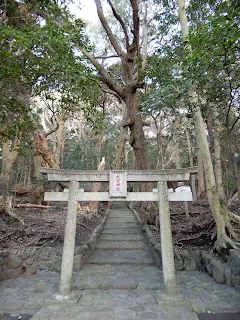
(118, 184)
(183, 188)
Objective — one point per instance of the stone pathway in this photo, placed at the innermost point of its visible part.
(120, 282)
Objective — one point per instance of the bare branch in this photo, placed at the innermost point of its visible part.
(51, 131)
(113, 93)
(234, 123)
(108, 57)
(117, 16)
(107, 79)
(108, 30)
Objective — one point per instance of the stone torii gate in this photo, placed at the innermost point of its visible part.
(118, 192)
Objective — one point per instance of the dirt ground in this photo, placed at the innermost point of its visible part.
(195, 232)
(46, 226)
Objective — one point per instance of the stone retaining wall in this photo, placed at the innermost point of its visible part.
(26, 261)
(192, 260)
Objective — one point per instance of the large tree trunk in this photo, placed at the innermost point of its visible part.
(42, 149)
(37, 163)
(193, 177)
(132, 67)
(134, 121)
(138, 143)
(234, 163)
(217, 159)
(201, 180)
(119, 161)
(59, 140)
(219, 211)
(176, 138)
(8, 158)
(93, 205)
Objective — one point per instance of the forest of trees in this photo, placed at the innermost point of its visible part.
(154, 84)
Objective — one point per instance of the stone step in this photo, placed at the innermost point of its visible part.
(122, 220)
(123, 306)
(119, 205)
(121, 215)
(122, 231)
(121, 212)
(122, 237)
(115, 225)
(122, 257)
(122, 245)
(124, 276)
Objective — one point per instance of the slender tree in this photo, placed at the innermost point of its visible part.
(219, 211)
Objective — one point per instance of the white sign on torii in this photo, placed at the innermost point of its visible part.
(118, 184)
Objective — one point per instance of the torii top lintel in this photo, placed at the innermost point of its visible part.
(61, 175)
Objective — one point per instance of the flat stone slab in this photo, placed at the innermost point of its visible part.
(100, 276)
(120, 237)
(113, 298)
(122, 231)
(36, 289)
(122, 245)
(122, 257)
(12, 306)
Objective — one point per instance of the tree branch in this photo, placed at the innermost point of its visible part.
(117, 16)
(108, 30)
(113, 93)
(134, 4)
(145, 37)
(108, 57)
(107, 79)
(234, 123)
(51, 131)
(230, 85)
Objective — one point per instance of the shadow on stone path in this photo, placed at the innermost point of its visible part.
(120, 282)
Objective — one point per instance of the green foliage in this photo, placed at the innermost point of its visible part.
(215, 44)
(39, 53)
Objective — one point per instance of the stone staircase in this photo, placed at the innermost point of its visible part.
(119, 282)
(122, 282)
(122, 242)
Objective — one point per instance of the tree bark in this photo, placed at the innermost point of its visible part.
(234, 163)
(93, 205)
(37, 163)
(176, 138)
(119, 162)
(193, 177)
(217, 159)
(59, 140)
(201, 179)
(42, 149)
(219, 211)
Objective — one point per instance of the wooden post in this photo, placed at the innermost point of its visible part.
(166, 241)
(69, 240)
